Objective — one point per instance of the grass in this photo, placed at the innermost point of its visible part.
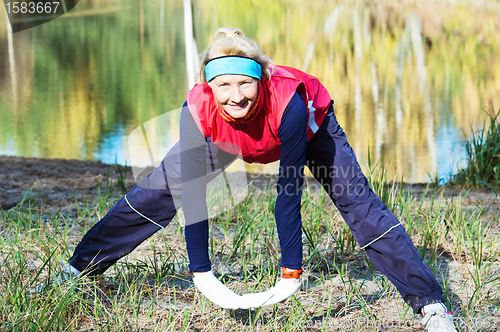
(483, 157)
(152, 290)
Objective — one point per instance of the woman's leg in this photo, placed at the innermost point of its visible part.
(147, 208)
(375, 228)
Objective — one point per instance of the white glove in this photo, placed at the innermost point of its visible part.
(279, 292)
(216, 292)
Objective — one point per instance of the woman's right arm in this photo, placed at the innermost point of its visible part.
(193, 174)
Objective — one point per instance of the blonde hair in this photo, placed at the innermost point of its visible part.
(234, 42)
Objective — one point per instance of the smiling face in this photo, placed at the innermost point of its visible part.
(235, 94)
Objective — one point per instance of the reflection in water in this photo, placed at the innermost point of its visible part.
(191, 49)
(406, 84)
(12, 68)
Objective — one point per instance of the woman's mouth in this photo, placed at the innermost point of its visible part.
(239, 106)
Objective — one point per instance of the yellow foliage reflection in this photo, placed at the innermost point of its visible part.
(407, 84)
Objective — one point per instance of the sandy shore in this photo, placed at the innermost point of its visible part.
(61, 183)
(56, 183)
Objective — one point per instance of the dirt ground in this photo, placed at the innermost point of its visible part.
(58, 181)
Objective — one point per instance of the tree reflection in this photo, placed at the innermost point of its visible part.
(400, 77)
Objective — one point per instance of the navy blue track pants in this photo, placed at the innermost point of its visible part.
(331, 161)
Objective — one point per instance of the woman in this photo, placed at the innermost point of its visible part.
(246, 107)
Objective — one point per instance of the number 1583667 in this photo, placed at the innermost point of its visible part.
(31, 7)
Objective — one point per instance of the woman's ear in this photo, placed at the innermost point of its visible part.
(211, 84)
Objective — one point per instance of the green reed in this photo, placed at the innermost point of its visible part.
(483, 157)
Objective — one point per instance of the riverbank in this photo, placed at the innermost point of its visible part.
(59, 183)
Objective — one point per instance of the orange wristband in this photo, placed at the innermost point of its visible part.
(290, 274)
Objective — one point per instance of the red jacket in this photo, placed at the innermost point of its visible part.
(258, 141)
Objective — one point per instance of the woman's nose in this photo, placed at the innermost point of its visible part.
(237, 95)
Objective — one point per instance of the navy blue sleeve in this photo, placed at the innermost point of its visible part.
(293, 136)
(193, 174)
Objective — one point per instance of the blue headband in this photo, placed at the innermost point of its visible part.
(232, 65)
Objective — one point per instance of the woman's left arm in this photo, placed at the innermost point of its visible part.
(293, 136)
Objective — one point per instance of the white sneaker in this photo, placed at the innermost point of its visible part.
(67, 274)
(437, 318)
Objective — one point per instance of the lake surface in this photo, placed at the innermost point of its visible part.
(408, 86)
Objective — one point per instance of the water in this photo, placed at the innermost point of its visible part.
(408, 86)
